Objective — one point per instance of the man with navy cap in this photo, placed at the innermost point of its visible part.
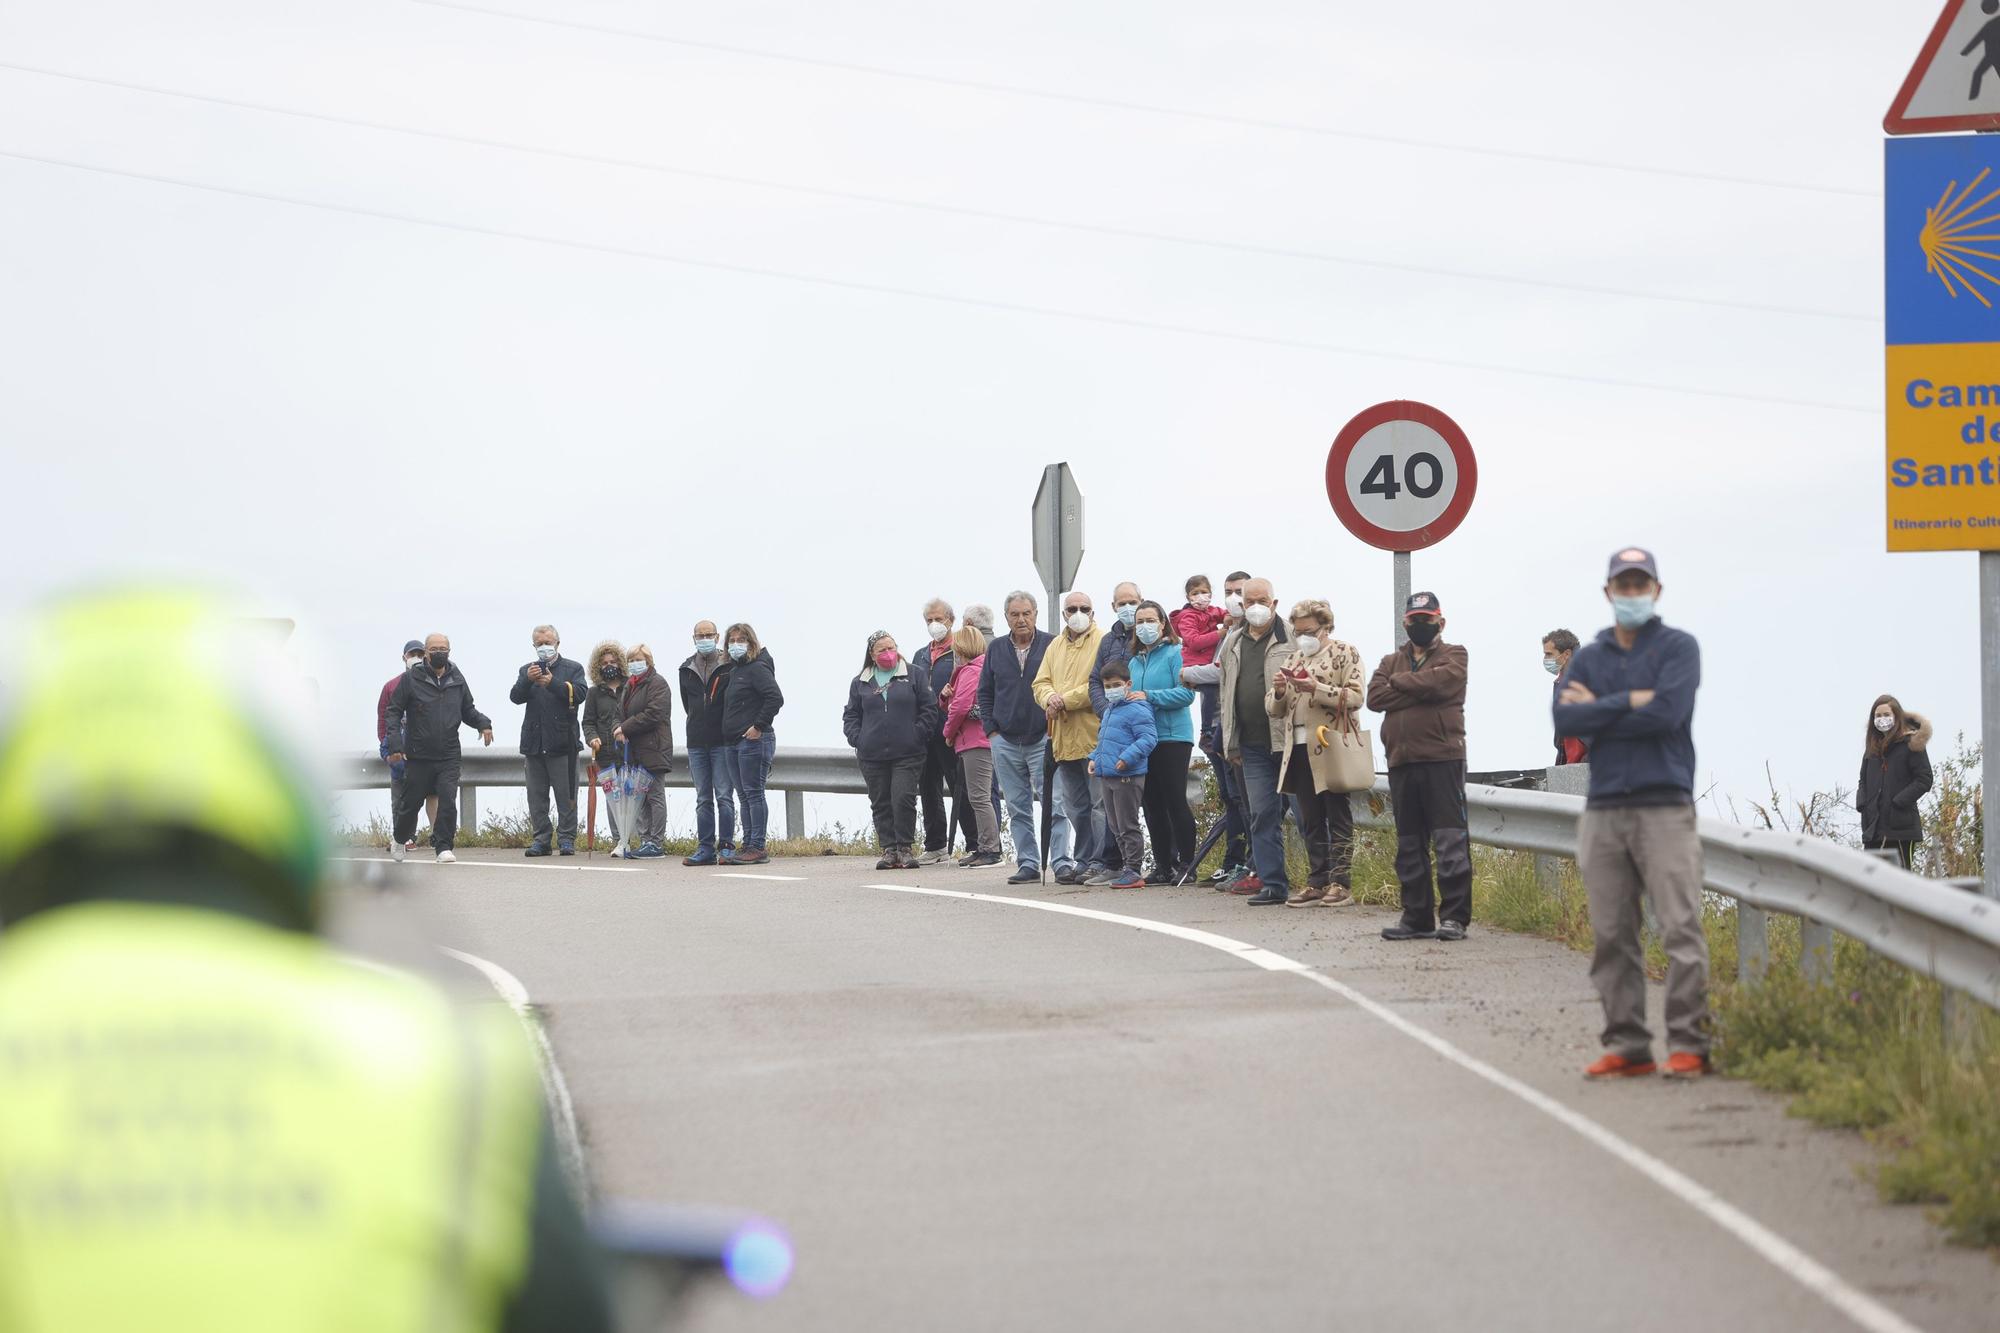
(1421, 690)
(1631, 695)
(413, 653)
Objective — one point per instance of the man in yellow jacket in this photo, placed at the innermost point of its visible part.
(1062, 688)
(210, 1121)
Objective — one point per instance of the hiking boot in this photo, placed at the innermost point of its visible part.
(537, 849)
(1687, 1064)
(1309, 896)
(751, 856)
(1244, 885)
(1451, 931)
(1026, 875)
(398, 852)
(566, 849)
(888, 862)
(1613, 1065)
(1403, 930)
(1336, 896)
(906, 861)
(445, 857)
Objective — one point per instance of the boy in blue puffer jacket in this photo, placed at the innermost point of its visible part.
(1125, 736)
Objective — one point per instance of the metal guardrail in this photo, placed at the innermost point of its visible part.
(1927, 925)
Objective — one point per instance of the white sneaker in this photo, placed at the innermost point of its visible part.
(397, 853)
(934, 858)
(445, 857)
(618, 851)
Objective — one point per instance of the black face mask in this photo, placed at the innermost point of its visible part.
(437, 660)
(610, 671)
(1423, 633)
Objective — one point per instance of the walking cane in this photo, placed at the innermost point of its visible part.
(590, 838)
(1048, 786)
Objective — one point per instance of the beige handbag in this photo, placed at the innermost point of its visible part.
(1343, 755)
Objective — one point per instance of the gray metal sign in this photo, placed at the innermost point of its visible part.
(1058, 523)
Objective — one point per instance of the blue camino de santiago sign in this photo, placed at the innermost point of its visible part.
(1943, 287)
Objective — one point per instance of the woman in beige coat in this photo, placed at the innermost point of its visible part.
(1312, 699)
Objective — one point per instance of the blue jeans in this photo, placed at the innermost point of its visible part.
(753, 765)
(1267, 816)
(1073, 794)
(713, 769)
(1235, 819)
(1017, 767)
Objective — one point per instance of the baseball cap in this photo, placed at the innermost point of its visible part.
(1634, 557)
(1422, 604)
(413, 646)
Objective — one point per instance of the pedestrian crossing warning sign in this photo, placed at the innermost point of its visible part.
(1955, 84)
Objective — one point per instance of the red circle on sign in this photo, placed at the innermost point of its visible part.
(1438, 528)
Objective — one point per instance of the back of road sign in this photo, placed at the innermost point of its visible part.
(1955, 84)
(1942, 474)
(1058, 519)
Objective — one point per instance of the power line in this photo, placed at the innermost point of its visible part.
(1152, 108)
(894, 201)
(941, 298)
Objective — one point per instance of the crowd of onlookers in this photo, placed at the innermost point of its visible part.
(1078, 743)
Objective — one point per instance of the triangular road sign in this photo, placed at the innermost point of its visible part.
(1955, 84)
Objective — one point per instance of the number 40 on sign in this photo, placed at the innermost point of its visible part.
(1401, 476)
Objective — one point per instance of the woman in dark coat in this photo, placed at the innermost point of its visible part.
(645, 731)
(889, 719)
(1895, 774)
(749, 706)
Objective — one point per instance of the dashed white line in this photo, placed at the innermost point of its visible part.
(492, 865)
(738, 874)
(1787, 1258)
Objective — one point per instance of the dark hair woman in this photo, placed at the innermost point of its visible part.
(749, 705)
(889, 720)
(1895, 774)
(1156, 679)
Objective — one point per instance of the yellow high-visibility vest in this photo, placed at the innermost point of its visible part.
(208, 1125)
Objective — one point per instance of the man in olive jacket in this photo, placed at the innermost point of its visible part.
(1421, 690)
(553, 688)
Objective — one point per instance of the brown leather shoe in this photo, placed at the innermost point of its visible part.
(1337, 897)
(1307, 897)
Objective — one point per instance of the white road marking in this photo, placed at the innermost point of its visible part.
(1787, 1258)
(416, 860)
(737, 874)
(569, 1142)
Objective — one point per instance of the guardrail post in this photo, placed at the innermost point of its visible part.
(1955, 1011)
(1564, 780)
(1816, 952)
(468, 808)
(1753, 947)
(795, 814)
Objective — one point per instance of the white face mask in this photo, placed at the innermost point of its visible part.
(938, 630)
(1200, 600)
(1078, 621)
(1258, 616)
(546, 651)
(1308, 644)
(1235, 603)
(1883, 724)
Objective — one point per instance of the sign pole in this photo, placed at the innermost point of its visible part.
(1402, 584)
(1989, 713)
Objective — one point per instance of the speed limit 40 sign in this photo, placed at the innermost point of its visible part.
(1401, 476)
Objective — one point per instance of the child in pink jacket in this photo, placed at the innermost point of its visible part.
(967, 737)
(1200, 626)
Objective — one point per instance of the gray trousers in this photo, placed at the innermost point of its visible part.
(1123, 800)
(1654, 851)
(555, 772)
(652, 821)
(978, 765)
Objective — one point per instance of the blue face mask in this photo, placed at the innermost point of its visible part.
(706, 647)
(738, 651)
(1149, 633)
(1553, 667)
(545, 651)
(1128, 614)
(1631, 612)
(1114, 694)
(636, 669)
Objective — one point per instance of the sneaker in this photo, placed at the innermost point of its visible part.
(410, 846)
(566, 849)
(1026, 875)
(1613, 1065)
(1067, 875)
(1097, 879)
(1124, 879)
(1160, 874)
(1337, 897)
(537, 849)
(1223, 874)
(934, 857)
(1306, 897)
(699, 859)
(620, 852)
(968, 858)
(1267, 898)
(446, 858)
(1403, 930)
(978, 859)
(751, 856)
(1244, 885)
(649, 851)
(1451, 931)
(1687, 1064)
(398, 852)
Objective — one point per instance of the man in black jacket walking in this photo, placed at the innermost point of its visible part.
(553, 688)
(424, 714)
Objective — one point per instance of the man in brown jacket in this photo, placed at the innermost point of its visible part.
(1421, 689)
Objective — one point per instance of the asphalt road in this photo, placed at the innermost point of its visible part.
(975, 1115)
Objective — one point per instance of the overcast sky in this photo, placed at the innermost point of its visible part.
(811, 411)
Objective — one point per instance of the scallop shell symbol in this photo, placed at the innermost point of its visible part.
(1951, 232)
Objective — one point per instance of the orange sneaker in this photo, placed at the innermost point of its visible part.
(1687, 1064)
(1617, 1066)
